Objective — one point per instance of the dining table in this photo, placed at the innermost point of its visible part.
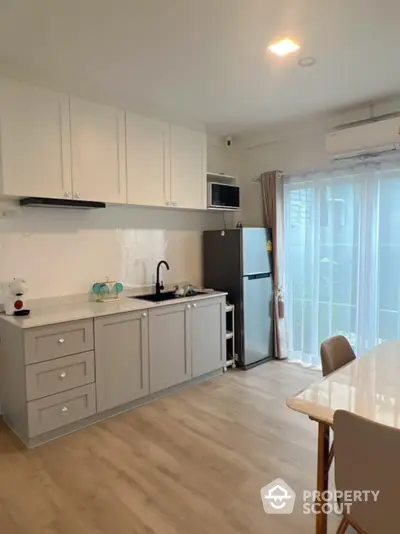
(368, 386)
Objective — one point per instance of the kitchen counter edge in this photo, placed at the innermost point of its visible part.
(90, 310)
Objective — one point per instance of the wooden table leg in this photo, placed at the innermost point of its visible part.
(322, 476)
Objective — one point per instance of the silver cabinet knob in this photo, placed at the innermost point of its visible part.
(144, 314)
(77, 195)
(188, 306)
(63, 375)
(61, 340)
(67, 194)
(174, 203)
(64, 409)
(194, 305)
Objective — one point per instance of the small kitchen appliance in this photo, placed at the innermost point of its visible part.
(14, 303)
(223, 196)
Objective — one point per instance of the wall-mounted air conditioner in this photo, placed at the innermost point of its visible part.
(368, 139)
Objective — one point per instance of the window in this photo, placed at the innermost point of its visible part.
(342, 258)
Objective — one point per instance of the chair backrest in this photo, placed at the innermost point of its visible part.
(335, 352)
(367, 458)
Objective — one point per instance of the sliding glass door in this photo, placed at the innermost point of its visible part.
(342, 259)
(387, 318)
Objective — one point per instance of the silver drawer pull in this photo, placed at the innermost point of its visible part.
(64, 409)
(61, 340)
(63, 375)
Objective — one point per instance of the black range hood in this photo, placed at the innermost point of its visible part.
(38, 202)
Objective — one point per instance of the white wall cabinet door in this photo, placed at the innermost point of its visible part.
(148, 161)
(98, 152)
(188, 168)
(35, 141)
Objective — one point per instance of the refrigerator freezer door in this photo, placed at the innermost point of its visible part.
(257, 318)
(256, 258)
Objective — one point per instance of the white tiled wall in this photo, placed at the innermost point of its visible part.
(62, 252)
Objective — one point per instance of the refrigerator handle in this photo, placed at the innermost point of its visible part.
(257, 276)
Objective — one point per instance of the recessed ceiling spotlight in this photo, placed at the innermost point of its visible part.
(308, 61)
(284, 47)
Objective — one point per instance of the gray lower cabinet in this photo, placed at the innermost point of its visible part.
(208, 335)
(57, 378)
(122, 359)
(186, 341)
(169, 346)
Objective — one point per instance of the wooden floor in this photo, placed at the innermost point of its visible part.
(192, 463)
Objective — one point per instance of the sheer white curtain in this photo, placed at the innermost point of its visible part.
(342, 257)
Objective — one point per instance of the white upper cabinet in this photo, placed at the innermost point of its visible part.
(148, 161)
(56, 146)
(98, 152)
(188, 168)
(35, 141)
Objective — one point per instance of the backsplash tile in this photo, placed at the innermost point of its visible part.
(63, 252)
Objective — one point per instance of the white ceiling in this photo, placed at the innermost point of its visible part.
(206, 60)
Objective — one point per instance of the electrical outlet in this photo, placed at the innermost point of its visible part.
(7, 213)
(9, 209)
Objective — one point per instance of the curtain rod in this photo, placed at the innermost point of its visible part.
(257, 179)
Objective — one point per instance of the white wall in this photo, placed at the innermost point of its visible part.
(289, 155)
(225, 160)
(62, 252)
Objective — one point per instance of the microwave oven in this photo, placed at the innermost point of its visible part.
(223, 196)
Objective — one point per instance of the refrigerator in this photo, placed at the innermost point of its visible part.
(239, 262)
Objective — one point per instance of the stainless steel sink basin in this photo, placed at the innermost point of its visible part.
(166, 295)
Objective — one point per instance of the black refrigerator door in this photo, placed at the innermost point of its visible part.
(257, 318)
(222, 261)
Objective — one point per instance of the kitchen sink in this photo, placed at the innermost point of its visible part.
(166, 295)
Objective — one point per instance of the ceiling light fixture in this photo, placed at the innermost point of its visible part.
(284, 47)
(308, 61)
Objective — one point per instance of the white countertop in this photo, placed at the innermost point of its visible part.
(63, 313)
(368, 386)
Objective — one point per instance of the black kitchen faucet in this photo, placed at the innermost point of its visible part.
(160, 285)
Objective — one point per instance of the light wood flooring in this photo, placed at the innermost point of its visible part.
(191, 463)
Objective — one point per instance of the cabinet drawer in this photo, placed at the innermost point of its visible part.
(62, 409)
(49, 342)
(55, 376)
